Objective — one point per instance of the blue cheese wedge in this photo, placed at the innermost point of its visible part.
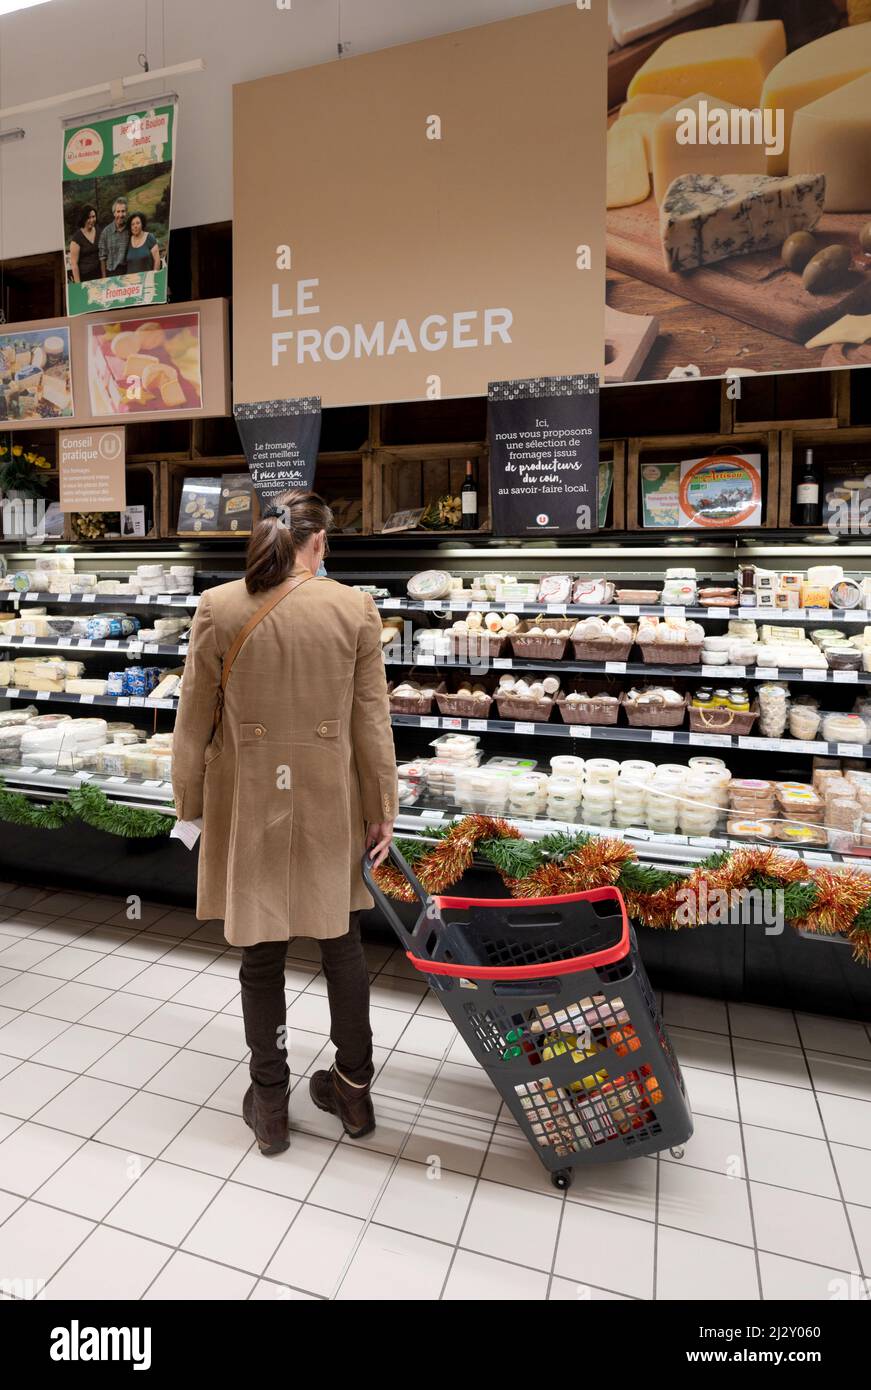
(709, 217)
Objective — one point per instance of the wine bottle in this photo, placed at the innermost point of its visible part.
(807, 493)
(469, 500)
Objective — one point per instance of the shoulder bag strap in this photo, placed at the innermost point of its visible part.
(241, 637)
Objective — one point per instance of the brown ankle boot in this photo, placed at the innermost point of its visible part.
(352, 1104)
(265, 1110)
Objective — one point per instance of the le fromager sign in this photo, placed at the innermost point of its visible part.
(440, 225)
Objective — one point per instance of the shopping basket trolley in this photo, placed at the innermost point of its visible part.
(552, 998)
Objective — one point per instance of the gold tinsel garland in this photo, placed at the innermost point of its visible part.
(838, 902)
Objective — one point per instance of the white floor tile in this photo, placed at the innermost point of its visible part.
(172, 1023)
(587, 1232)
(694, 1048)
(689, 1011)
(191, 1076)
(112, 972)
(76, 1046)
(7, 975)
(132, 1061)
(95, 909)
(295, 1173)
(841, 1076)
(66, 963)
(405, 1077)
(174, 920)
(350, 1181)
(568, 1291)
(387, 1026)
(824, 1035)
(708, 1204)
(427, 1037)
(23, 954)
(61, 902)
(191, 956)
(84, 1106)
(103, 940)
(860, 1220)
(160, 982)
(149, 913)
(164, 1202)
(466, 1090)
(8, 1204)
(763, 1061)
(29, 1034)
(228, 1096)
(854, 1166)
(628, 1187)
(763, 1023)
(714, 1144)
(242, 1227)
(306, 1118)
(26, 990)
(425, 1200)
(390, 992)
(304, 1049)
(267, 1291)
(30, 1086)
(392, 1265)
(691, 1267)
(846, 1121)
(110, 1265)
(711, 1093)
(796, 1281)
(211, 1142)
(513, 1225)
(71, 1002)
(146, 1124)
(223, 1037)
(802, 1226)
(36, 1240)
(315, 1250)
(480, 1278)
(790, 1160)
(459, 1142)
(772, 1106)
(93, 1180)
(17, 922)
(512, 1161)
(145, 946)
(208, 992)
(64, 931)
(7, 1015)
(188, 1277)
(30, 1154)
(121, 1013)
(310, 1012)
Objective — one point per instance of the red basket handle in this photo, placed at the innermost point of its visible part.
(593, 961)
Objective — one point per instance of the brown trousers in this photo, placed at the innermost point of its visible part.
(264, 1009)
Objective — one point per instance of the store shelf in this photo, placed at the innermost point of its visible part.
(117, 601)
(626, 610)
(49, 781)
(680, 738)
(127, 646)
(672, 851)
(63, 697)
(635, 668)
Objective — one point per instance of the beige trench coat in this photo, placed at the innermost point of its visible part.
(302, 759)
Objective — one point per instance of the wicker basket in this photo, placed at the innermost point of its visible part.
(531, 711)
(671, 653)
(651, 716)
(460, 706)
(602, 650)
(592, 711)
(542, 648)
(722, 721)
(409, 704)
(478, 645)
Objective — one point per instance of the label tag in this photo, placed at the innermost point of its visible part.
(661, 736)
(628, 610)
(713, 670)
(615, 666)
(767, 673)
(747, 742)
(580, 731)
(734, 670)
(432, 817)
(452, 723)
(523, 727)
(675, 612)
(188, 831)
(558, 608)
(719, 612)
(478, 724)
(712, 740)
(64, 598)
(810, 674)
(433, 604)
(143, 598)
(122, 699)
(845, 677)
(391, 603)
(164, 598)
(86, 699)
(850, 750)
(427, 722)
(151, 647)
(502, 663)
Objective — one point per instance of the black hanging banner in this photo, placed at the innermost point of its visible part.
(281, 440)
(544, 455)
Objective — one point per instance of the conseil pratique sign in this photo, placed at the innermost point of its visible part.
(435, 224)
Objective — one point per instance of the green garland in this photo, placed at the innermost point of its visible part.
(88, 804)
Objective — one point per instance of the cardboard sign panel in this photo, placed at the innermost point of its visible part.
(424, 220)
(91, 468)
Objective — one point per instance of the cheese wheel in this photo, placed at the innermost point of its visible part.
(812, 72)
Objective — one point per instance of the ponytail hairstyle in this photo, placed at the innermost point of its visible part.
(285, 526)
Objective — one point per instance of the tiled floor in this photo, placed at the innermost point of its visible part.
(127, 1172)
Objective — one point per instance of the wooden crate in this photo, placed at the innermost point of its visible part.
(143, 488)
(845, 444)
(788, 400)
(673, 448)
(615, 451)
(340, 477)
(415, 474)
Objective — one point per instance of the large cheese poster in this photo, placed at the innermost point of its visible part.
(421, 221)
(739, 188)
(117, 196)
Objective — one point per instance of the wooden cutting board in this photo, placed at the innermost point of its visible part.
(757, 289)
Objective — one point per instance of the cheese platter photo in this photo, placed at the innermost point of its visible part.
(739, 185)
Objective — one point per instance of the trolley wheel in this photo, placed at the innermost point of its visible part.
(562, 1179)
(678, 1151)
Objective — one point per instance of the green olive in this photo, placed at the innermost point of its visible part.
(826, 270)
(865, 238)
(798, 250)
